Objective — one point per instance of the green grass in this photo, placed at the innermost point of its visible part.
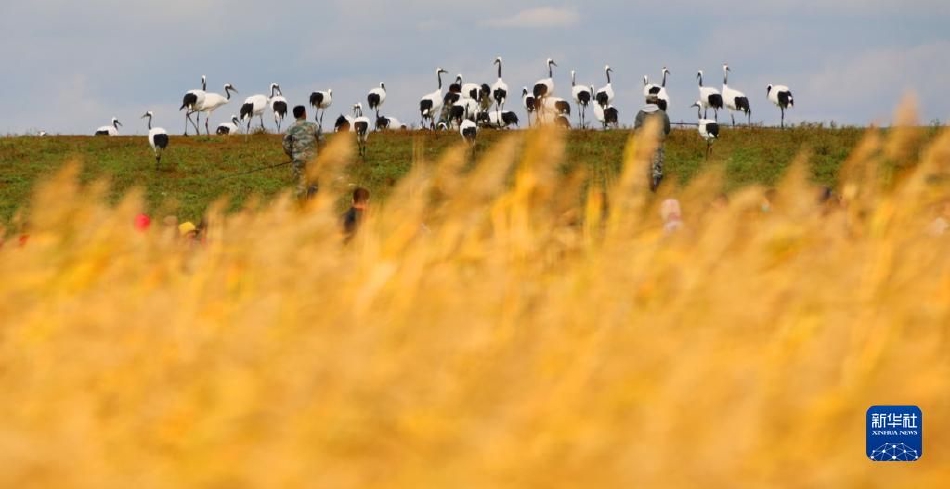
(198, 170)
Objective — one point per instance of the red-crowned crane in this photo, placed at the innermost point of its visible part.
(110, 130)
(213, 101)
(157, 139)
(430, 106)
(709, 97)
(191, 101)
(734, 99)
(781, 96)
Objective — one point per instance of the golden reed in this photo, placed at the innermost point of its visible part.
(504, 325)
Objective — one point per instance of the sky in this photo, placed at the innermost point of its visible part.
(70, 66)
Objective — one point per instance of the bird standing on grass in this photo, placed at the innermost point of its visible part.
(605, 96)
(431, 104)
(781, 96)
(468, 130)
(278, 104)
(361, 127)
(376, 97)
(157, 139)
(321, 101)
(663, 99)
(110, 130)
(709, 97)
(191, 101)
(499, 90)
(708, 129)
(255, 105)
(528, 101)
(734, 99)
(582, 97)
(212, 101)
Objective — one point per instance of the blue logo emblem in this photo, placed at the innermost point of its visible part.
(894, 433)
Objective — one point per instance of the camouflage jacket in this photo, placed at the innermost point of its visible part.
(300, 142)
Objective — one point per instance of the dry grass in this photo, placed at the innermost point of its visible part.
(478, 334)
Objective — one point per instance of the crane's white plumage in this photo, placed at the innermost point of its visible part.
(376, 97)
(499, 89)
(545, 86)
(213, 101)
(192, 100)
(110, 130)
(360, 127)
(228, 128)
(607, 116)
(529, 103)
(468, 130)
(708, 129)
(781, 96)
(709, 97)
(582, 96)
(733, 99)
(384, 122)
(658, 90)
(321, 101)
(605, 96)
(431, 104)
(255, 105)
(497, 120)
(278, 105)
(157, 139)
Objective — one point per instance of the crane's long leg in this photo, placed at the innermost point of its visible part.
(187, 118)
(733, 115)
(262, 122)
(783, 117)
(207, 130)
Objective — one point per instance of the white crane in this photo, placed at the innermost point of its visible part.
(361, 127)
(582, 96)
(110, 130)
(321, 101)
(213, 101)
(431, 104)
(605, 96)
(192, 100)
(468, 130)
(529, 103)
(607, 116)
(497, 120)
(376, 97)
(659, 90)
(499, 89)
(255, 105)
(228, 128)
(278, 104)
(385, 122)
(781, 96)
(709, 97)
(708, 129)
(545, 86)
(466, 108)
(157, 139)
(734, 99)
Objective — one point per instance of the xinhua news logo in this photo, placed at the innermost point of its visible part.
(894, 433)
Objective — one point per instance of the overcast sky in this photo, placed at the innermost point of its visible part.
(69, 66)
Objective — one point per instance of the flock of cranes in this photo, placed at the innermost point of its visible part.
(465, 107)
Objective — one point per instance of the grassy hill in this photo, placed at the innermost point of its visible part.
(197, 170)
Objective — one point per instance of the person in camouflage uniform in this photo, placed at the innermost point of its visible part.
(300, 144)
(651, 109)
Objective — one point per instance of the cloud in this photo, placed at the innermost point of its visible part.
(537, 17)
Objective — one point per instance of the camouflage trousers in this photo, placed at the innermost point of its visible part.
(656, 169)
(300, 176)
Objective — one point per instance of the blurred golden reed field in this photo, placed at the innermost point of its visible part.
(494, 324)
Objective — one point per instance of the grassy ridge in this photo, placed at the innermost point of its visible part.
(198, 170)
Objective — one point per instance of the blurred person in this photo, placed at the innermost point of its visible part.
(672, 216)
(300, 144)
(187, 230)
(941, 223)
(650, 111)
(353, 217)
